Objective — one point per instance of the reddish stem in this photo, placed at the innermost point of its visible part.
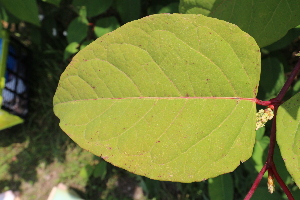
(281, 182)
(269, 165)
(256, 182)
(272, 139)
(262, 103)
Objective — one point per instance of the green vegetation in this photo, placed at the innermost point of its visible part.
(37, 155)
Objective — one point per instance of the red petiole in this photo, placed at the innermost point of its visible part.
(269, 165)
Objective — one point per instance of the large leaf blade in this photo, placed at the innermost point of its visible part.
(172, 146)
(266, 21)
(150, 97)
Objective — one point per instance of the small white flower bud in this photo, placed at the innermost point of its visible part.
(262, 116)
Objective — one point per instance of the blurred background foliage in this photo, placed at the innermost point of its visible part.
(37, 155)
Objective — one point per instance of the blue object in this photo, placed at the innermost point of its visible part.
(13, 90)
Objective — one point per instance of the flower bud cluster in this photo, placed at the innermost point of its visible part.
(271, 185)
(263, 116)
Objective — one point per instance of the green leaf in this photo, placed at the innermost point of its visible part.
(296, 87)
(170, 8)
(196, 6)
(260, 133)
(280, 166)
(106, 25)
(221, 187)
(159, 97)
(267, 21)
(272, 78)
(259, 155)
(86, 171)
(159, 7)
(286, 40)
(288, 135)
(77, 30)
(24, 10)
(296, 194)
(259, 152)
(71, 49)
(94, 7)
(3, 14)
(8, 120)
(128, 10)
(100, 170)
(85, 43)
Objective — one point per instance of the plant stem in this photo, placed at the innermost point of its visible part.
(281, 183)
(256, 182)
(272, 139)
(269, 165)
(262, 103)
